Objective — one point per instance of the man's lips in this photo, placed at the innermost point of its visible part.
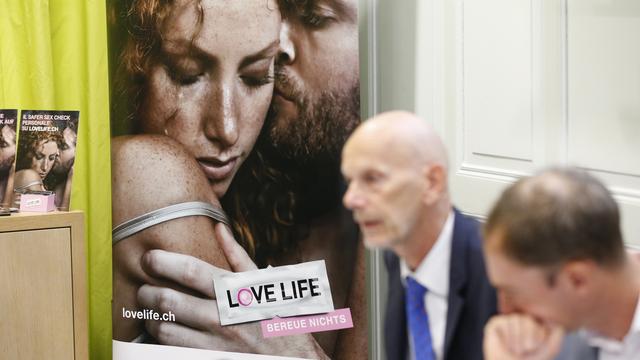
(284, 104)
(368, 224)
(217, 169)
(285, 95)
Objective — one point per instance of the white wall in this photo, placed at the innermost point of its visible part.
(512, 86)
(515, 85)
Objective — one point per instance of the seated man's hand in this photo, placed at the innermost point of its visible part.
(197, 323)
(516, 336)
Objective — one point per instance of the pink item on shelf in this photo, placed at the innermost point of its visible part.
(37, 203)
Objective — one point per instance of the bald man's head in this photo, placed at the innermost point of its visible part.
(396, 166)
(405, 133)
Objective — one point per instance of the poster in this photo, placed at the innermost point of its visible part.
(46, 153)
(8, 123)
(228, 119)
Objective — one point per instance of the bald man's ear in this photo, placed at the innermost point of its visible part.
(435, 177)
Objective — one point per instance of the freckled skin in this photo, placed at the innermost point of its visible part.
(209, 94)
(150, 172)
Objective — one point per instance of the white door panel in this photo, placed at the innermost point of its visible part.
(516, 85)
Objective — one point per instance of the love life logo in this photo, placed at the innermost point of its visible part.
(267, 292)
(275, 291)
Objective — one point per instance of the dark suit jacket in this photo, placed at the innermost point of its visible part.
(472, 300)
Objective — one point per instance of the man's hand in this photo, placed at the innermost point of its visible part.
(197, 323)
(516, 336)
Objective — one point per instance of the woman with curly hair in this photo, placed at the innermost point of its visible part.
(39, 151)
(197, 79)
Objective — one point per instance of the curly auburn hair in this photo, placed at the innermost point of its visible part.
(29, 142)
(141, 21)
(261, 200)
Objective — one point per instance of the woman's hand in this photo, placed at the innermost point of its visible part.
(197, 323)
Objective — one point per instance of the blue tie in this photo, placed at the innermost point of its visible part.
(418, 320)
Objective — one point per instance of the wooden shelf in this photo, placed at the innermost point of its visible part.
(43, 296)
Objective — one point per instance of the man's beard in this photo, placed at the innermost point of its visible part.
(322, 126)
(5, 166)
(60, 169)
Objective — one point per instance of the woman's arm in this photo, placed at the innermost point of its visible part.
(151, 172)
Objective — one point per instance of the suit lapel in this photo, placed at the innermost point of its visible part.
(457, 280)
(395, 321)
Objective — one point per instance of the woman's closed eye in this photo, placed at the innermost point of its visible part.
(258, 73)
(184, 72)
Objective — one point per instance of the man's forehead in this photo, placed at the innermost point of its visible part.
(506, 272)
(8, 132)
(373, 156)
(348, 8)
(69, 133)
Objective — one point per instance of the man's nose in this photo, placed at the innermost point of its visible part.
(287, 49)
(223, 115)
(353, 199)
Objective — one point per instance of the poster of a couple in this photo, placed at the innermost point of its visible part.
(44, 155)
(228, 120)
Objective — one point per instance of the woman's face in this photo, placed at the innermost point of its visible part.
(44, 157)
(211, 84)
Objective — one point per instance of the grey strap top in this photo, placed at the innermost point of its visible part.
(170, 212)
(21, 189)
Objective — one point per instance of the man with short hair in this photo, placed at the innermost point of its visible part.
(316, 102)
(439, 296)
(555, 254)
(61, 176)
(315, 107)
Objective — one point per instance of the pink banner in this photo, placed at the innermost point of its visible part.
(339, 319)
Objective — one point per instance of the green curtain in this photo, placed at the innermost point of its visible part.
(53, 56)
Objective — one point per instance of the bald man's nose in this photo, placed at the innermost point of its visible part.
(353, 199)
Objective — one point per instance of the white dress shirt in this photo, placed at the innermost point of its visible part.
(627, 349)
(433, 273)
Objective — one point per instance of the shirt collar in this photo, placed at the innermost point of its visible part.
(611, 345)
(635, 325)
(433, 270)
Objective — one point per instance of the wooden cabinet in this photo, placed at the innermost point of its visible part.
(43, 290)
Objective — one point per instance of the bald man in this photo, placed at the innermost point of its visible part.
(439, 296)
